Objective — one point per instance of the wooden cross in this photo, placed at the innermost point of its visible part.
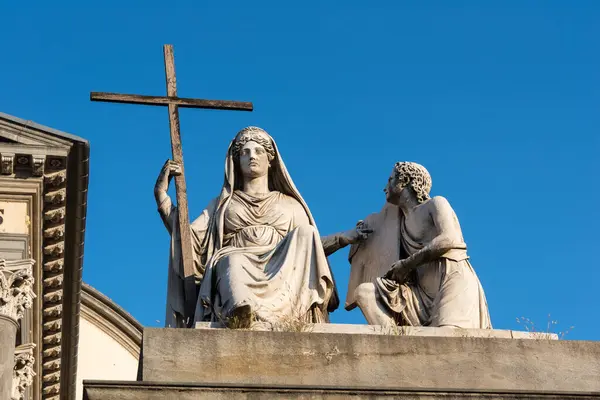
(173, 103)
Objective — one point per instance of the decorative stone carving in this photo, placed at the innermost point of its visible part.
(55, 216)
(16, 287)
(7, 163)
(56, 233)
(54, 250)
(432, 281)
(53, 297)
(23, 372)
(54, 266)
(38, 163)
(23, 160)
(56, 163)
(55, 197)
(55, 178)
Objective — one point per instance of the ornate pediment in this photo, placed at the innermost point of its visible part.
(28, 149)
(18, 131)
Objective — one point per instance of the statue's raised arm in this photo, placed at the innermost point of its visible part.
(176, 314)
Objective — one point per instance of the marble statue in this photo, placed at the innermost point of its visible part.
(257, 252)
(431, 282)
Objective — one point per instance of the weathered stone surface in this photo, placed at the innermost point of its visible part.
(376, 361)
(403, 330)
(95, 390)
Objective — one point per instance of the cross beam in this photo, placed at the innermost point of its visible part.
(181, 102)
(173, 103)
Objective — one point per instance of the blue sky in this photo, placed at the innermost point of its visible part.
(499, 101)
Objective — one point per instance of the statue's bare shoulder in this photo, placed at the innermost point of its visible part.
(439, 205)
(431, 218)
(443, 216)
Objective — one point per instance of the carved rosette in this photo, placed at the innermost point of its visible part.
(16, 288)
(55, 196)
(23, 372)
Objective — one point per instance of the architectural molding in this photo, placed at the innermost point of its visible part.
(111, 319)
(53, 278)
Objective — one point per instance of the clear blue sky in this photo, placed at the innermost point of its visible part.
(499, 101)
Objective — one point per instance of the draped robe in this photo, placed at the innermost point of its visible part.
(272, 261)
(442, 292)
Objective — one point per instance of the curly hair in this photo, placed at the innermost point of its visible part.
(416, 176)
(255, 134)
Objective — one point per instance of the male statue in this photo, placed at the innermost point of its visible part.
(432, 283)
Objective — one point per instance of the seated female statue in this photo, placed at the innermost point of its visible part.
(257, 252)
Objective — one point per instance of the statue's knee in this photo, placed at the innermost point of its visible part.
(305, 229)
(364, 293)
(230, 263)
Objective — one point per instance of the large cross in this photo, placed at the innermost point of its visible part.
(173, 103)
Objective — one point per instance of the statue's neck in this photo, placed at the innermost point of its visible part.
(408, 202)
(256, 186)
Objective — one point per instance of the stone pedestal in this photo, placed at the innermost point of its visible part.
(221, 363)
(16, 295)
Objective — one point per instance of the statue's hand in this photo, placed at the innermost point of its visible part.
(399, 272)
(168, 171)
(352, 236)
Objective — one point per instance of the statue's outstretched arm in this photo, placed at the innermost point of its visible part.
(336, 241)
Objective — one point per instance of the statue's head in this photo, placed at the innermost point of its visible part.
(408, 176)
(253, 151)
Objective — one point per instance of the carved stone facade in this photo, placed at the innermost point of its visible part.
(43, 189)
(16, 288)
(54, 252)
(23, 372)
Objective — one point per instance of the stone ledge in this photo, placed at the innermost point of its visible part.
(403, 331)
(236, 357)
(114, 390)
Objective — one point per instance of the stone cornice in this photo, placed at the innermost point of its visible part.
(53, 278)
(16, 287)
